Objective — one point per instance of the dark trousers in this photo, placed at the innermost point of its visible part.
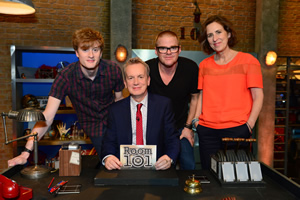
(210, 141)
(97, 143)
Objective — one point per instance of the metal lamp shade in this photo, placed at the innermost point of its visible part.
(16, 7)
(30, 115)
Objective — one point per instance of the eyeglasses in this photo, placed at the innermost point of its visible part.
(173, 49)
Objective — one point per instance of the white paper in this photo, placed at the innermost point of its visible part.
(228, 172)
(241, 171)
(74, 159)
(255, 171)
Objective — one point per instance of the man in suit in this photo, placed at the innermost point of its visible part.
(157, 119)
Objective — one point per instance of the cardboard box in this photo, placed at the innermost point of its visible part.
(70, 162)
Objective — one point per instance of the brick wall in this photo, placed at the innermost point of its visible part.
(55, 20)
(289, 28)
(153, 16)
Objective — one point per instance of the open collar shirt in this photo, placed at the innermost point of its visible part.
(90, 98)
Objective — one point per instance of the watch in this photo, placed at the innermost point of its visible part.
(27, 150)
(189, 126)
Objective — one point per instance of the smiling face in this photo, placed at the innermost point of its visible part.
(168, 59)
(217, 37)
(89, 55)
(136, 81)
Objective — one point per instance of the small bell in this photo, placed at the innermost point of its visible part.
(192, 186)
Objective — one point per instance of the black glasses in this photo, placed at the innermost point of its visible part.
(173, 49)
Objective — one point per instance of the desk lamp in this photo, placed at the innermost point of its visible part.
(28, 115)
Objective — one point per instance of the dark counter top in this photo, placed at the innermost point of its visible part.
(276, 186)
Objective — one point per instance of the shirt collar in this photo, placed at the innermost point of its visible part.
(144, 101)
(80, 74)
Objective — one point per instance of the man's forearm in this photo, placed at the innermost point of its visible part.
(40, 128)
(193, 107)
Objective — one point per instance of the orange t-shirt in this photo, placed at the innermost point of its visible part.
(227, 100)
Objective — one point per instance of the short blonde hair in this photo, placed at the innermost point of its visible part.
(168, 33)
(132, 61)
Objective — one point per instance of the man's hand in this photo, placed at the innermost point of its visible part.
(163, 163)
(188, 134)
(112, 162)
(62, 129)
(19, 160)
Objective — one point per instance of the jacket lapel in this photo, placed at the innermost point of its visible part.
(127, 120)
(150, 117)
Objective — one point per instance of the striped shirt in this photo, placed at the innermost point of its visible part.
(90, 99)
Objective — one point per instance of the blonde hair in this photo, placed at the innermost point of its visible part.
(169, 33)
(132, 61)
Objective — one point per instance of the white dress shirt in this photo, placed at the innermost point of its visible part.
(133, 110)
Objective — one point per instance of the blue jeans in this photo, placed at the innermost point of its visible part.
(186, 155)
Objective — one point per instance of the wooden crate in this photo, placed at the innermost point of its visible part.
(70, 162)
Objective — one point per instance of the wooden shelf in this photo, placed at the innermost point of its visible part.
(294, 125)
(33, 80)
(281, 82)
(45, 142)
(67, 111)
(283, 109)
(278, 160)
(279, 168)
(280, 126)
(280, 117)
(294, 109)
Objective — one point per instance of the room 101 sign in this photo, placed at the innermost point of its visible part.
(138, 156)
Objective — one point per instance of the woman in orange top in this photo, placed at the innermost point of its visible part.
(230, 84)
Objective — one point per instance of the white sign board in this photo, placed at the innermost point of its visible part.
(138, 156)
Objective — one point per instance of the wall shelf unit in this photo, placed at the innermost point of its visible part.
(287, 112)
(30, 59)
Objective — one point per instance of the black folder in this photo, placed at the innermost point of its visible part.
(136, 177)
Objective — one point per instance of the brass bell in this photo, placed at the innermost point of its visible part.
(192, 186)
